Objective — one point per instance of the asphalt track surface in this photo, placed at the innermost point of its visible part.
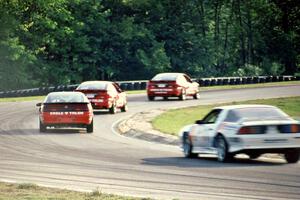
(116, 164)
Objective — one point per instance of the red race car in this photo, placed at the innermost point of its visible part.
(66, 109)
(104, 95)
(172, 85)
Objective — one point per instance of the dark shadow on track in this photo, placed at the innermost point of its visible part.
(48, 132)
(101, 112)
(206, 162)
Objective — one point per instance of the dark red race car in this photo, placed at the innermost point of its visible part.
(172, 85)
(66, 109)
(104, 95)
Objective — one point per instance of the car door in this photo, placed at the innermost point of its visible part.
(205, 131)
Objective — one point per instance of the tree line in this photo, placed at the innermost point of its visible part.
(53, 42)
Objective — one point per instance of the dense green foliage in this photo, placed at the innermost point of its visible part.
(50, 42)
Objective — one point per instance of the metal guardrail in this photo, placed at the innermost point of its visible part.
(142, 84)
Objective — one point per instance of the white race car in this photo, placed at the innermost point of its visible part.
(250, 129)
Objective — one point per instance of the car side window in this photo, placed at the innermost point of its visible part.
(211, 117)
(188, 79)
(117, 88)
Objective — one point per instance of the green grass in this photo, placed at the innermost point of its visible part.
(19, 99)
(171, 121)
(28, 191)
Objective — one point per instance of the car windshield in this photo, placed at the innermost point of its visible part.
(255, 113)
(65, 97)
(165, 77)
(92, 86)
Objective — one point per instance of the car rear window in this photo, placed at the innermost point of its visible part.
(255, 113)
(92, 86)
(67, 97)
(165, 77)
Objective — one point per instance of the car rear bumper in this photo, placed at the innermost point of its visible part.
(264, 144)
(164, 92)
(61, 118)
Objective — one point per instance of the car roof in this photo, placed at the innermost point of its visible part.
(92, 82)
(66, 93)
(230, 107)
(170, 73)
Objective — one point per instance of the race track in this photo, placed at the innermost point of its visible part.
(127, 166)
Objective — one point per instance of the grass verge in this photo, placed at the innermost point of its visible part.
(173, 120)
(19, 99)
(30, 191)
(259, 85)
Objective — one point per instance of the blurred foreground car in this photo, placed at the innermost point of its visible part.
(250, 129)
(104, 95)
(66, 109)
(172, 85)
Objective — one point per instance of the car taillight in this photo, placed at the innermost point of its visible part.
(289, 128)
(246, 130)
(150, 85)
(81, 107)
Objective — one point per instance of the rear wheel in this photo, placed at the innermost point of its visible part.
(182, 95)
(292, 156)
(151, 98)
(90, 127)
(124, 108)
(43, 128)
(188, 147)
(222, 149)
(113, 109)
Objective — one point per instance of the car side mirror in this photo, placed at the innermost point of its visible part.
(199, 122)
(39, 104)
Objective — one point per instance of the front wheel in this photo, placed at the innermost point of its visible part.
(222, 149)
(196, 95)
(182, 95)
(90, 127)
(113, 109)
(187, 148)
(292, 156)
(124, 108)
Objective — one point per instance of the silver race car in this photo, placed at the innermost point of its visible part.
(250, 129)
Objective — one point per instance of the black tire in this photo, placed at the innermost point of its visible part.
(196, 95)
(151, 98)
(43, 128)
(113, 109)
(292, 156)
(182, 96)
(254, 155)
(222, 148)
(124, 108)
(90, 127)
(188, 147)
